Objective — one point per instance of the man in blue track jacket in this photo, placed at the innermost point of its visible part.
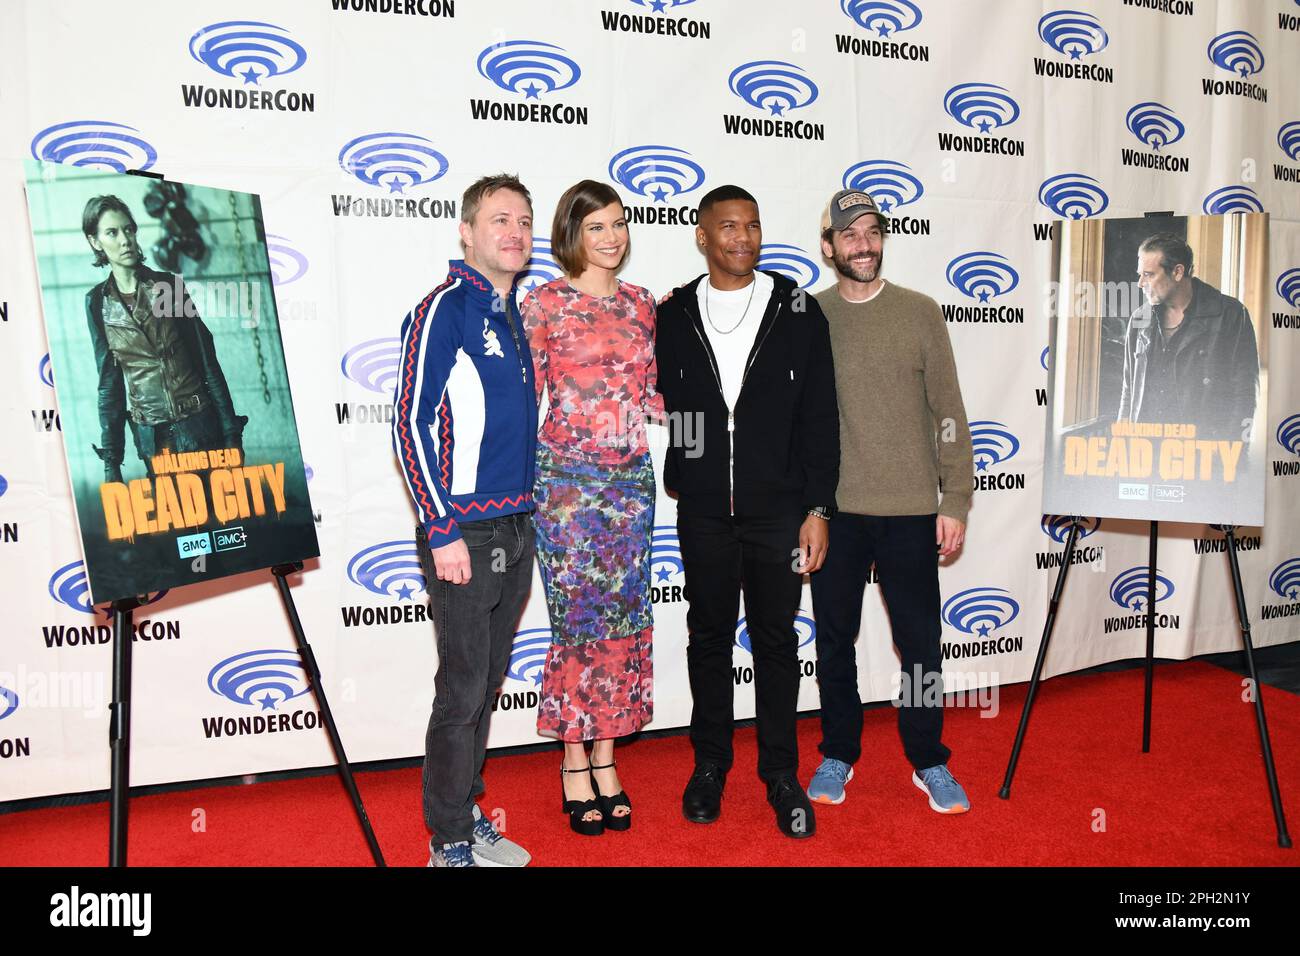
(465, 431)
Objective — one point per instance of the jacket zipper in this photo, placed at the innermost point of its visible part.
(523, 373)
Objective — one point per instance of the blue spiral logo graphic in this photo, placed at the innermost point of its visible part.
(373, 364)
(1072, 32)
(541, 267)
(4, 485)
(529, 67)
(1288, 138)
(656, 172)
(1237, 52)
(1285, 580)
(665, 553)
(1073, 196)
(250, 49)
(266, 678)
(1231, 199)
(1042, 358)
(805, 632)
(405, 159)
(390, 569)
(94, 143)
(8, 702)
(1129, 589)
(528, 655)
(287, 263)
(45, 371)
(1288, 434)
(982, 275)
(882, 16)
(992, 444)
(981, 106)
(980, 610)
(1154, 124)
(791, 261)
(1057, 527)
(307, 471)
(1288, 287)
(69, 586)
(658, 6)
(773, 85)
(889, 183)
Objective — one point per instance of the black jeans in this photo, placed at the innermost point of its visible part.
(907, 564)
(475, 628)
(719, 553)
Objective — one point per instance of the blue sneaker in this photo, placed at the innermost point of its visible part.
(945, 793)
(827, 784)
(451, 854)
(491, 848)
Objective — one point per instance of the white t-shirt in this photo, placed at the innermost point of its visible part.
(728, 311)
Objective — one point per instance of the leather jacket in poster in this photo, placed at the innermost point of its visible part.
(1215, 364)
(157, 368)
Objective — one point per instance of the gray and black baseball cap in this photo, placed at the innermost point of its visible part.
(846, 206)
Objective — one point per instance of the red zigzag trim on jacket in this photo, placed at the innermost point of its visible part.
(408, 387)
(482, 507)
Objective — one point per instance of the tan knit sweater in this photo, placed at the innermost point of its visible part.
(904, 437)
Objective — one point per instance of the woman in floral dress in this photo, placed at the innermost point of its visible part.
(592, 339)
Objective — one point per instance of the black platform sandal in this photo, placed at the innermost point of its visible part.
(608, 804)
(577, 809)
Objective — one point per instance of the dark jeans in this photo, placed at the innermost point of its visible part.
(719, 553)
(907, 564)
(475, 628)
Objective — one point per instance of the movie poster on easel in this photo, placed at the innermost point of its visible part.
(174, 401)
(1156, 405)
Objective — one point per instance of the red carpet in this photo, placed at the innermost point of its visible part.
(1199, 799)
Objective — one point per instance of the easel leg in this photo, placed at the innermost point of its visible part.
(1149, 681)
(119, 731)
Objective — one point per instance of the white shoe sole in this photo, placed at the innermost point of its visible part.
(827, 801)
(934, 806)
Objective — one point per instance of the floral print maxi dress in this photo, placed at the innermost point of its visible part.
(595, 497)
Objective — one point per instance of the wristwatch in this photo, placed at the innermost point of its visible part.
(821, 511)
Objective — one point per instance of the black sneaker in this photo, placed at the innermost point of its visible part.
(794, 814)
(702, 799)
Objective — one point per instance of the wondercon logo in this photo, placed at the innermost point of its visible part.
(889, 183)
(1073, 196)
(1237, 52)
(656, 172)
(1154, 124)
(391, 569)
(980, 610)
(267, 678)
(1072, 31)
(46, 371)
(1057, 527)
(882, 16)
(406, 159)
(665, 553)
(1284, 581)
(94, 143)
(1288, 138)
(373, 364)
(658, 5)
(1288, 287)
(790, 261)
(1288, 434)
(805, 630)
(287, 263)
(4, 486)
(992, 444)
(248, 48)
(8, 702)
(541, 267)
(982, 275)
(772, 85)
(529, 67)
(1129, 589)
(69, 587)
(1042, 358)
(528, 655)
(1231, 199)
(981, 106)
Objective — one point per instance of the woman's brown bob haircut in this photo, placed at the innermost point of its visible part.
(577, 203)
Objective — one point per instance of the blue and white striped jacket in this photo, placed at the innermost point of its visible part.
(465, 412)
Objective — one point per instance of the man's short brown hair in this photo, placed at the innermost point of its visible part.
(485, 187)
(578, 202)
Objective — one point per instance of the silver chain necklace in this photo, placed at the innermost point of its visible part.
(748, 303)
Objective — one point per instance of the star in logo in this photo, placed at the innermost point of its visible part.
(883, 29)
(1245, 71)
(395, 184)
(983, 629)
(658, 5)
(405, 591)
(1293, 593)
(984, 125)
(983, 295)
(885, 204)
(250, 76)
(267, 701)
(982, 463)
(663, 574)
(1137, 604)
(776, 108)
(660, 193)
(1076, 52)
(531, 90)
(1076, 214)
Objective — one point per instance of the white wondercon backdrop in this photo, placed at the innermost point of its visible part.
(347, 280)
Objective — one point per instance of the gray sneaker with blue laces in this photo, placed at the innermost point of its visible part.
(945, 793)
(451, 854)
(827, 784)
(491, 848)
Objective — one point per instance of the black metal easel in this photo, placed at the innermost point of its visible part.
(1283, 837)
(120, 719)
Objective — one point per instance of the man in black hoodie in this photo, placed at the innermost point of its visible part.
(746, 356)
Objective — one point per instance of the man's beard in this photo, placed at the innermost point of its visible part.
(866, 273)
